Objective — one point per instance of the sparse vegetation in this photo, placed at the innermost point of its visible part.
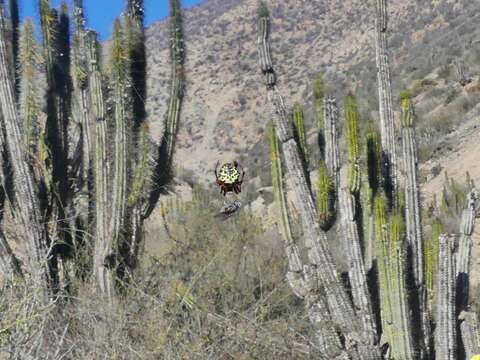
(113, 265)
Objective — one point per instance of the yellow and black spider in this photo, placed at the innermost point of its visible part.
(228, 178)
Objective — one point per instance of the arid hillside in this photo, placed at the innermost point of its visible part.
(224, 110)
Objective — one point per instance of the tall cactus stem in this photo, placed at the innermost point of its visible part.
(387, 125)
(352, 118)
(470, 332)
(446, 321)
(300, 134)
(330, 117)
(325, 198)
(413, 214)
(465, 243)
(119, 77)
(28, 210)
(277, 183)
(391, 262)
(356, 273)
(104, 246)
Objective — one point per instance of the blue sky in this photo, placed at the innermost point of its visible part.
(101, 13)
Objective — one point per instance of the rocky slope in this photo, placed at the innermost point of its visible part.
(224, 107)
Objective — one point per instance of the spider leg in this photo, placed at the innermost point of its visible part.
(216, 167)
(241, 180)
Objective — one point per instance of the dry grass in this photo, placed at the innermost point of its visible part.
(206, 290)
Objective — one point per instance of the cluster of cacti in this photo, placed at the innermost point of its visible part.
(70, 178)
(381, 226)
(327, 302)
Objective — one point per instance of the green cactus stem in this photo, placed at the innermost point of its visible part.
(431, 258)
(277, 183)
(325, 198)
(301, 137)
(391, 265)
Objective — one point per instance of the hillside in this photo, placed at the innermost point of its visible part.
(224, 110)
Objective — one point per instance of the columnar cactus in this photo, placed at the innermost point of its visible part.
(339, 306)
(120, 80)
(28, 210)
(385, 101)
(301, 136)
(431, 258)
(163, 170)
(28, 102)
(412, 193)
(9, 266)
(352, 118)
(177, 55)
(371, 183)
(330, 116)
(391, 263)
(463, 254)
(470, 331)
(413, 213)
(356, 273)
(446, 323)
(56, 39)
(104, 245)
(325, 198)
(277, 183)
(15, 28)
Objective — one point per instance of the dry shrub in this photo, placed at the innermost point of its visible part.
(211, 290)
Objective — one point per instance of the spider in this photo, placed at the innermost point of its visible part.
(229, 178)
